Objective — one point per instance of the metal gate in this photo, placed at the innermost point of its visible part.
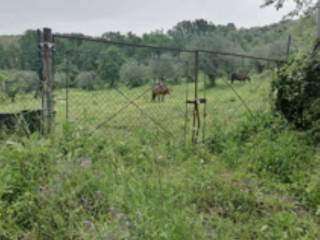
(101, 96)
(82, 97)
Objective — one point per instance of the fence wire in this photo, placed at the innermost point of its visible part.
(116, 92)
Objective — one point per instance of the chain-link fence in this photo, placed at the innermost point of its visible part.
(236, 83)
(113, 87)
(123, 86)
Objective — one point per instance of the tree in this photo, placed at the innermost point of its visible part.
(214, 66)
(258, 65)
(162, 68)
(13, 53)
(278, 50)
(87, 81)
(184, 31)
(133, 74)
(70, 72)
(29, 51)
(60, 80)
(3, 78)
(3, 57)
(114, 36)
(300, 5)
(12, 88)
(20, 82)
(109, 65)
(297, 91)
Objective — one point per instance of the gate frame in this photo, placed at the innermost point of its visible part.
(47, 43)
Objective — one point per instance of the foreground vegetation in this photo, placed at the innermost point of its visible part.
(254, 178)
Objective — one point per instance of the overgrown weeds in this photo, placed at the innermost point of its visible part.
(257, 180)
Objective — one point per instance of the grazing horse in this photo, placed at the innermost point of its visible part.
(240, 77)
(160, 90)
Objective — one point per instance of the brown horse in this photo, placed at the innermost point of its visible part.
(160, 90)
(240, 77)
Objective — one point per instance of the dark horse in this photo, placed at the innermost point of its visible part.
(240, 77)
(160, 90)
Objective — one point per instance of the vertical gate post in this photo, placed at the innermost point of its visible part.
(47, 80)
(196, 114)
(40, 74)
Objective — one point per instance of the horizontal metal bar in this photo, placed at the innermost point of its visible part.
(242, 56)
(102, 40)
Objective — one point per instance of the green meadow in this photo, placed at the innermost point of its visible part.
(253, 178)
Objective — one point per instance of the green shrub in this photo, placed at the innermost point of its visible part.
(133, 74)
(60, 80)
(86, 81)
(265, 145)
(297, 91)
(283, 155)
(312, 194)
(20, 82)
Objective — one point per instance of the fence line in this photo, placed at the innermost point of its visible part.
(102, 40)
(199, 122)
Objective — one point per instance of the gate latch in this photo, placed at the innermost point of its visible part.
(197, 101)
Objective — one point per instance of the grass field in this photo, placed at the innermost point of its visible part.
(255, 178)
(118, 110)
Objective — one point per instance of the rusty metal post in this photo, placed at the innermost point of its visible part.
(196, 114)
(40, 74)
(47, 80)
(68, 75)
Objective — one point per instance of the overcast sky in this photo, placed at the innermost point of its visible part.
(95, 17)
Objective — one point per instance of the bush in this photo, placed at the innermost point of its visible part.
(20, 82)
(86, 81)
(162, 68)
(66, 70)
(312, 194)
(297, 91)
(109, 65)
(133, 74)
(282, 156)
(60, 80)
(266, 146)
(3, 77)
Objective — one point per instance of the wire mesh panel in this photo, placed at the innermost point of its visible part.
(122, 87)
(233, 83)
(113, 87)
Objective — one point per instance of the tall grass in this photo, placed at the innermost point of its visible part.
(254, 178)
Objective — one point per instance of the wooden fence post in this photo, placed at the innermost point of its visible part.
(47, 80)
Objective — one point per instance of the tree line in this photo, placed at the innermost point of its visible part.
(90, 65)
